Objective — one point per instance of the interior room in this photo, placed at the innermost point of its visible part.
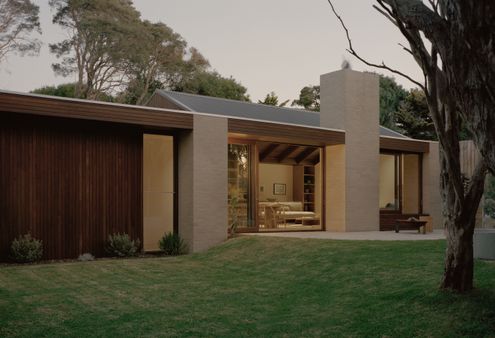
(274, 187)
(289, 187)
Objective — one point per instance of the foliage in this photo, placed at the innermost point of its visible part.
(413, 117)
(102, 36)
(391, 96)
(26, 249)
(18, 20)
(172, 244)
(121, 245)
(213, 84)
(271, 99)
(68, 90)
(161, 61)
(313, 288)
(489, 205)
(309, 98)
(233, 213)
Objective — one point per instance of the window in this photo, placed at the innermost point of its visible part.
(400, 183)
(389, 182)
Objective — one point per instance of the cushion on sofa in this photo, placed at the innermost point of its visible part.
(293, 206)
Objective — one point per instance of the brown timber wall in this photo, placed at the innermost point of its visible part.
(70, 183)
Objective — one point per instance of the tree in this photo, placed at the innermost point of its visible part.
(391, 95)
(213, 84)
(271, 99)
(309, 98)
(67, 90)
(413, 117)
(101, 40)
(461, 86)
(161, 61)
(18, 19)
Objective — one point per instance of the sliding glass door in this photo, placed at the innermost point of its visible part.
(240, 192)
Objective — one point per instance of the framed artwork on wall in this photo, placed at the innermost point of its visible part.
(279, 189)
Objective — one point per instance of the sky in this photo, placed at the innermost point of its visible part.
(267, 45)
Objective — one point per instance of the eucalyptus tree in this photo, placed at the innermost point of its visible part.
(18, 20)
(162, 60)
(309, 98)
(210, 83)
(101, 36)
(452, 42)
(271, 99)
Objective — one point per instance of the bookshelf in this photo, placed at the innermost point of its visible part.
(304, 186)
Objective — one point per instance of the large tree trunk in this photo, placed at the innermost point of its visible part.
(459, 211)
(458, 273)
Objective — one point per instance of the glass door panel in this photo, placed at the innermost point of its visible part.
(239, 186)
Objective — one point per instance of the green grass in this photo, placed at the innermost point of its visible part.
(252, 286)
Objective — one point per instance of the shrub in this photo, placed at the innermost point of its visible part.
(26, 249)
(172, 245)
(121, 245)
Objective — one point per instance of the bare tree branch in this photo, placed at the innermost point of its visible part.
(352, 51)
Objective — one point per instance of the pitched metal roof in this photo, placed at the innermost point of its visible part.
(242, 109)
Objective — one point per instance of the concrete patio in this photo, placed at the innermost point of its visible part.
(404, 235)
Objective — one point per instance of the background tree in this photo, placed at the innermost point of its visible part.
(101, 36)
(18, 20)
(309, 98)
(413, 117)
(489, 206)
(460, 33)
(271, 99)
(213, 84)
(391, 96)
(162, 60)
(67, 90)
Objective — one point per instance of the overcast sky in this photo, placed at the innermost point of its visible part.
(267, 45)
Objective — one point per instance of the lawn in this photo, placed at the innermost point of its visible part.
(251, 286)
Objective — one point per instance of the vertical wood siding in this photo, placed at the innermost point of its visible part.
(69, 183)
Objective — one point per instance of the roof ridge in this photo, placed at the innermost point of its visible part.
(238, 101)
(393, 131)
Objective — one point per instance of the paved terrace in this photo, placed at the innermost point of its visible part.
(403, 235)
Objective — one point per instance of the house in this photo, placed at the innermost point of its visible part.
(74, 171)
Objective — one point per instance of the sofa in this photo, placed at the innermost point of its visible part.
(291, 211)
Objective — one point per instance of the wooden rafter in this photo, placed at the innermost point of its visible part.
(305, 154)
(287, 152)
(315, 158)
(268, 150)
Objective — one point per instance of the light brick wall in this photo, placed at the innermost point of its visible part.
(350, 101)
(203, 183)
(432, 201)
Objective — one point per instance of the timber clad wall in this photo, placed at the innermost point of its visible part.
(70, 183)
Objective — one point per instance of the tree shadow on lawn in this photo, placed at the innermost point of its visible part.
(471, 314)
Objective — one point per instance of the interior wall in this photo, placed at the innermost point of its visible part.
(275, 173)
(158, 189)
(387, 179)
(410, 184)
